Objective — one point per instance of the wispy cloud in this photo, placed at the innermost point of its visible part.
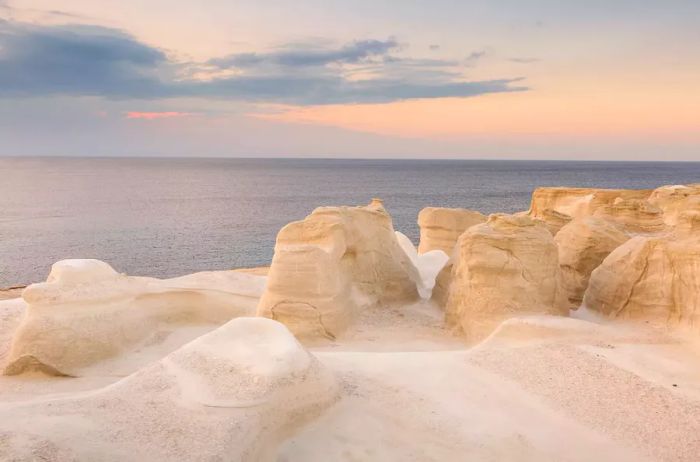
(83, 60)
(156, 115)
(524, 60)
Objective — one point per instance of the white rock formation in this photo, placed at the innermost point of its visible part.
(428, 265)
(86, 313)
(578, 202)
(331, 265)
(583, 244)
(232, 394)
(506, 267)
(440, 227)
(654, 279)
(635, 216)
(676, 199)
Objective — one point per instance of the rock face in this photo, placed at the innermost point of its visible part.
(441, 227)
(583, 245)
(553, 220)
(578, 202)
(331, 265)
(232, 394)
(505, 267)
(655, 279)
(675, 200)
(633, 215)
(86, 313)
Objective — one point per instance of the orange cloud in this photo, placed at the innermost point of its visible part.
(156, 115)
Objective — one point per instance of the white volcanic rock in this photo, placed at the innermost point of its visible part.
(655, 279)
(506, 267)
(578, 202)
(86, 313)
(675, 200)
(428, 265)
(583, 244)
(553, 220)
(441, 227)
(331, 265)
(635, 216)
(233, 394)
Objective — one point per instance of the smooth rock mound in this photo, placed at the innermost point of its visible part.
(654, 279)
(583, 245)
(233, 394)
(675, 200)
(86, 313)
(633, 215)
(331, 265)
(428, 265)
(506, 267)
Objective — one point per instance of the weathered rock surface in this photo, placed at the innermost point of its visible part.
(675, 200)
(578, 202)
(441, 227)
(86, 313)
(635, 216)
(583, 245)
(335, 262)
(655, 279)
(505, 267)
(233, 394)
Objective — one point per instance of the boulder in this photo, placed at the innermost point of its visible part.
(86, 313)
(654, 279)
(334, 263)
(233, 394)
(441, 227)
(505, 267)
(583, 244)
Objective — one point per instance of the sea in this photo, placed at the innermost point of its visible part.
(168, 217)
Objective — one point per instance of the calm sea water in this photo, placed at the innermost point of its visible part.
(166, 217)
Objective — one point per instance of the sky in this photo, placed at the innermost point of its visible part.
(509, 79)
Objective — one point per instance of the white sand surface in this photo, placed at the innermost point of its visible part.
(538, 389)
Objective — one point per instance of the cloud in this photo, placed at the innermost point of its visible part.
(524, 60)
(354, 52)
(83, 60)
(155, 115)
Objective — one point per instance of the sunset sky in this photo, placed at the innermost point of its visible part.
(518, 79)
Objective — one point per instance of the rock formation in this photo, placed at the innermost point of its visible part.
(440, 229)
(635, 216)
(335, 262)
(583, 244)
(676, 199)
(86, 312)
(578, 202)
(428, 265)
(232, 394)
(655, 279)
(553, 220)
(505, 267)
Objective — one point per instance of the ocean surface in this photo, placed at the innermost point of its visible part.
(167, 217)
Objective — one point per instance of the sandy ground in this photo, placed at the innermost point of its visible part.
(538, 389)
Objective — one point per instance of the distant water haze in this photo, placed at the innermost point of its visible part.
(168, 217)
